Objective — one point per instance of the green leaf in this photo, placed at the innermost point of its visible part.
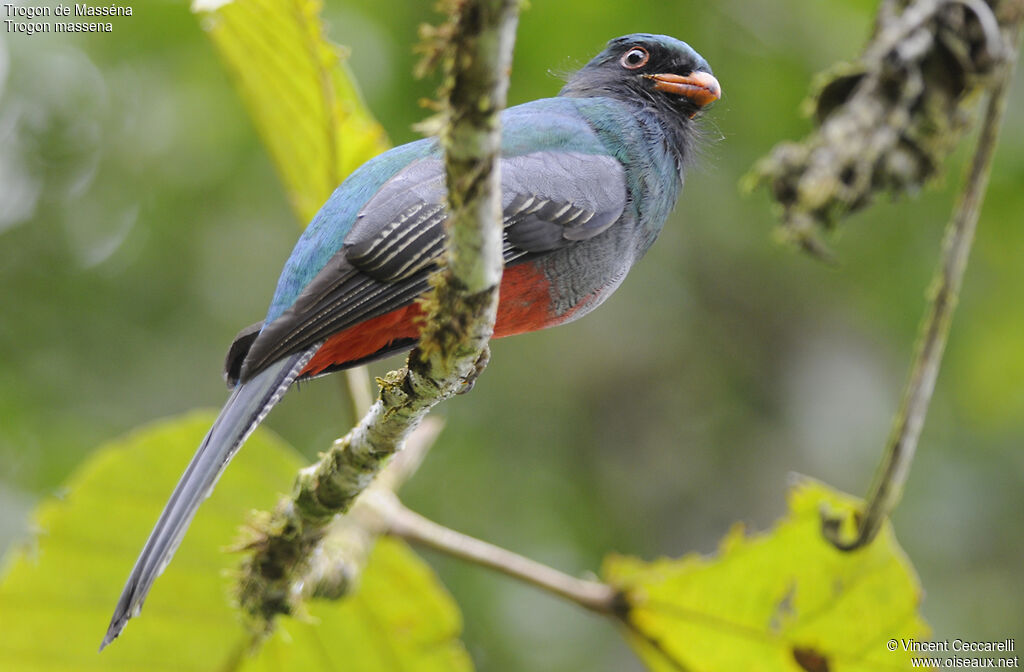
(781, 601)
(299, 92)
(57, 593)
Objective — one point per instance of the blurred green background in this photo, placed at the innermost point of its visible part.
(142, 224)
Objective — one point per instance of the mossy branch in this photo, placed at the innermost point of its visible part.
(887, 122)
(459, 314)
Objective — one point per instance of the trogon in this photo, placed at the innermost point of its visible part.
(588, 179)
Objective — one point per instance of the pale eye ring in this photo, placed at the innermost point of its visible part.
(636, 57)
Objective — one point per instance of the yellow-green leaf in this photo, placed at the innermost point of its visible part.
(299, 92)
(57, 593)
(784, 601)
(399, 620)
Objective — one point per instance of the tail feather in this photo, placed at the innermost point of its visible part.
(245, 409)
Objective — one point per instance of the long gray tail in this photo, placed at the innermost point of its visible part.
(245, 409)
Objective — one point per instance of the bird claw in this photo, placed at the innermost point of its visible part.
(478, 367)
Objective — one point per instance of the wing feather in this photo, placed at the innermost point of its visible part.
(550, 200)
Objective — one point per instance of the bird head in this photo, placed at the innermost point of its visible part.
(653, 70)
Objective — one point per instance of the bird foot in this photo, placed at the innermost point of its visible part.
(478, 367)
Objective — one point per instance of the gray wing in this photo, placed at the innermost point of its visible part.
(549, 200)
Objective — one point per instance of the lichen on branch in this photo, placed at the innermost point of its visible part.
(887, 122)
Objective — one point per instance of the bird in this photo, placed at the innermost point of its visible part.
(588, 179)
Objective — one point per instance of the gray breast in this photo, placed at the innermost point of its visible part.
(581, 277)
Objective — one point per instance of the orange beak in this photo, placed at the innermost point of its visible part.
(700, 88)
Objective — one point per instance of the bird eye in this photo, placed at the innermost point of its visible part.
(636, 57)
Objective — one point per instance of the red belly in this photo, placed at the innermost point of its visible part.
(525, 305)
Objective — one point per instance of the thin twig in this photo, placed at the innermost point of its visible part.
(399, 521)
(892, 474)
(385, 512)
